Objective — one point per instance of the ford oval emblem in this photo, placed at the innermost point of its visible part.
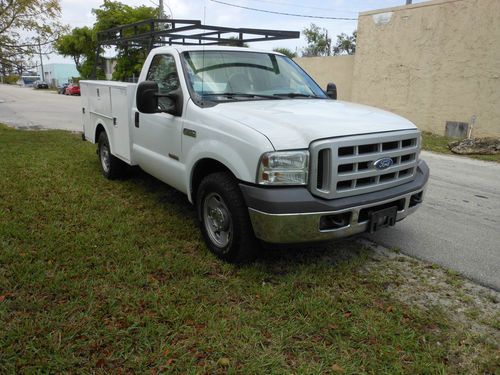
(383, 163)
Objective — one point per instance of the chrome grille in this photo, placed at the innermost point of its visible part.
(342, 167)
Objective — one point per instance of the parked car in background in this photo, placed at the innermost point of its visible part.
(61, 89)
(40, 85)
(72, 89)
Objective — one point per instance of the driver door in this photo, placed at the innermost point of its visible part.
(157, 136)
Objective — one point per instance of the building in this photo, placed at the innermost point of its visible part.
(56, 74)
(436, 63)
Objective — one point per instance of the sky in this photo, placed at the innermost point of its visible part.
(78, 13)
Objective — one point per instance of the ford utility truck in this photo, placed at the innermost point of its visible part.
(257, 146)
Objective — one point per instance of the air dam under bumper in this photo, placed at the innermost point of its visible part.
(294, 215)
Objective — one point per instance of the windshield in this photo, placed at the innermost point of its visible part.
(241, 75)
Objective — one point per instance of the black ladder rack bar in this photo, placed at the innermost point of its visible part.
(157, 32)
(155, 28)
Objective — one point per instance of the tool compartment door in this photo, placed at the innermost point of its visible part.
(120, 112)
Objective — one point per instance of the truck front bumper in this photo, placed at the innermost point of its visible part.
(293, 215)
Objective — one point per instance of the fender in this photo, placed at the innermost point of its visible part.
(99, 121)
(224, 154)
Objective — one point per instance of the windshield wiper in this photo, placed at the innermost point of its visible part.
(241, 94)
(296, 95)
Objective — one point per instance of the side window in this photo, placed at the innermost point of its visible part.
(164, 72)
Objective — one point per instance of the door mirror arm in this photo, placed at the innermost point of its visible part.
(147, 99)
(176, 97)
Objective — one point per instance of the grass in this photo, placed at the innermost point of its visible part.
(438, 143)
(101, 276)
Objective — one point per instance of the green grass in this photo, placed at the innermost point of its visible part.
(101, 276)
(438, 143)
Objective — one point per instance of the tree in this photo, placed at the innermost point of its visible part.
(21, 64)
(346, 44)
(318, 42)
(81, 44)
(16, 65)
(113, 13)
(26, 26)
(234, 42)
(286, 52)
(78, 45)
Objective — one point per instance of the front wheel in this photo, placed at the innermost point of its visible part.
(111, 166)
(224, 219)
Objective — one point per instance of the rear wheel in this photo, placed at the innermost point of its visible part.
(111, 166)
(224, 219)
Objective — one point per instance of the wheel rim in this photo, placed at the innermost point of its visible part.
(104, 155)
(217, 220)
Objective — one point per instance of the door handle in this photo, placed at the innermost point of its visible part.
(189, 132)
(136, 121)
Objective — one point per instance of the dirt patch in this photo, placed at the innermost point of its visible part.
(481, 146)
(473, 310)
(30, 127)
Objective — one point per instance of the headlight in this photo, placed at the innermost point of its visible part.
(284, 168)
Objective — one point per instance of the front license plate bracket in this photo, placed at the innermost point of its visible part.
(382, 218)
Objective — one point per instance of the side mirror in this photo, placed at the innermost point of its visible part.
(331, 91)
(147, 99)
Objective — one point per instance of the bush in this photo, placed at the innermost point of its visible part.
(11, 80)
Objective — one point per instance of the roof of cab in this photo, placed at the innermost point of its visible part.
(181, 48)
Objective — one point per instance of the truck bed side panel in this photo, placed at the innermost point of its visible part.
(109, 104)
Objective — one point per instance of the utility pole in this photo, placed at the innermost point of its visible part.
(328, 44)
(41, 60)
(408, 2)
(162, 13)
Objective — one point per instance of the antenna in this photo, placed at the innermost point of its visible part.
(203, 51)
(204, 12)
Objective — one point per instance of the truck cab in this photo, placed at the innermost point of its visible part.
(257, 146)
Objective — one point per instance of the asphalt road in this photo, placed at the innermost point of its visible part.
(28, 108)
(458, 225)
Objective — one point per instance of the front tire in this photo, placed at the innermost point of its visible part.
(111, 166)
(224, 219)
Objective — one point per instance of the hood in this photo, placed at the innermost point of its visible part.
(295, 123)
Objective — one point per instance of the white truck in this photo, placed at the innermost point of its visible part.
(257, 146)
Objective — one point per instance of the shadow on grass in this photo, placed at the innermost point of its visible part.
(270, 255)
(165, 194)
(277, 260)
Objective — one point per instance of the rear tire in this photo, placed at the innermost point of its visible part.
(224, 220)
(111, 166)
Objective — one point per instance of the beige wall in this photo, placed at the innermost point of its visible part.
(336, 69)
(432, 62)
